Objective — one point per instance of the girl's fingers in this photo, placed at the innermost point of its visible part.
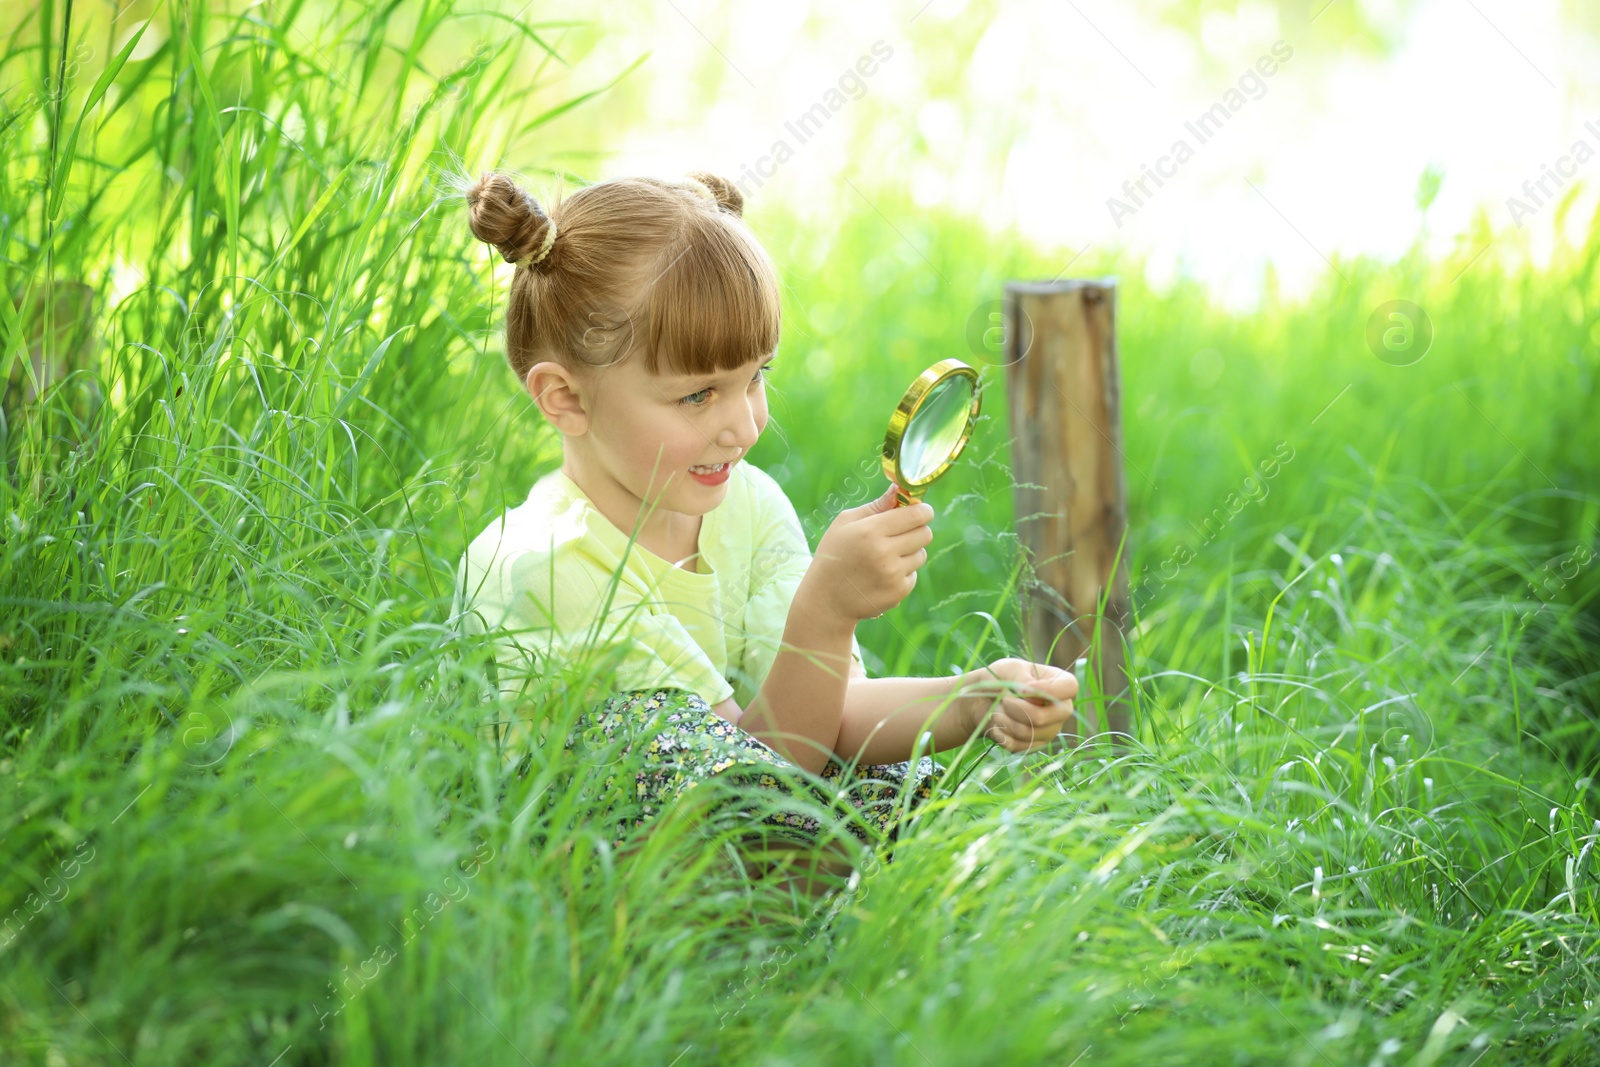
(995, 729)
(1051, 690)
(910, 541)
(911, 549)
(1044, 721)
(896, 521)
(1003, 731)
(1017, 739)
(1023, 713)
(1015, 724)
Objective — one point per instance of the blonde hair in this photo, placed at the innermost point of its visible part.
(668, 268)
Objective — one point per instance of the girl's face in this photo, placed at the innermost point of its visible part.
(648, 433)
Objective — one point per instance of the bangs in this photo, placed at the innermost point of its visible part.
(714, 307)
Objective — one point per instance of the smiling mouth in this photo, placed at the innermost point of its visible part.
(716, 469)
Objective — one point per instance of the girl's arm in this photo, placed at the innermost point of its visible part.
(729, 709)
(1019, 705)
(883, 716)
(805, 690)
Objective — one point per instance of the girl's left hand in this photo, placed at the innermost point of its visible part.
(1019, 705)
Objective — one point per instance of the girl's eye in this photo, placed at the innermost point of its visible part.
(761, 376)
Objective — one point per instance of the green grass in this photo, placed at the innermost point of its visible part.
(245, 765)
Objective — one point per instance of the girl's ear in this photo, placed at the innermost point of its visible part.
(556, 390)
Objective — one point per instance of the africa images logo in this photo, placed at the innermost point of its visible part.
(1251, 85)
(1399, 333)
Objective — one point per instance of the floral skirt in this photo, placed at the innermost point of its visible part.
(685, 743)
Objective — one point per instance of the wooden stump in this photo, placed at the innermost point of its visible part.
(1065, 400)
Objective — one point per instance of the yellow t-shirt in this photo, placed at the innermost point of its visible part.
(543, 571)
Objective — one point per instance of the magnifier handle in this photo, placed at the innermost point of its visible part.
(903, 497)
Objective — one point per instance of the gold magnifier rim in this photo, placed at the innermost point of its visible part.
(915, 395)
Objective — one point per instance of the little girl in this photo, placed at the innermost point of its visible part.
(643, 319)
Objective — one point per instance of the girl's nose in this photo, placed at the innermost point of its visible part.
(742, 434)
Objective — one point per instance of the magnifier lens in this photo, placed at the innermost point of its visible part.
(935, 429)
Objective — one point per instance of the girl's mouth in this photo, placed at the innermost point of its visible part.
(713, 475)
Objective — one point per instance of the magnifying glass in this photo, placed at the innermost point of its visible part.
(930, 427)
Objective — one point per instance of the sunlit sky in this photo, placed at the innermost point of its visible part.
(1033, 113)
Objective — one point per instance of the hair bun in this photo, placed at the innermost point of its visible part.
(503, 214)
(728, 196)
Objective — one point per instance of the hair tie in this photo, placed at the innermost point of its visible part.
(544, 248)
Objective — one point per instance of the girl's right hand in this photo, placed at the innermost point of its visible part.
(867, 559)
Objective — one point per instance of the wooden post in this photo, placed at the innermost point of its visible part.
(1065, 400)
